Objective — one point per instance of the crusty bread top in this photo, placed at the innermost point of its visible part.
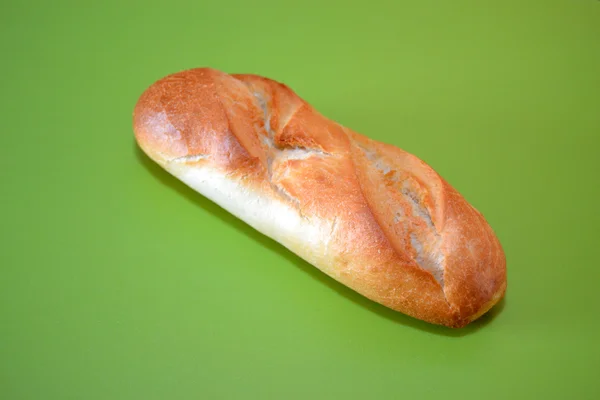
(390, 227)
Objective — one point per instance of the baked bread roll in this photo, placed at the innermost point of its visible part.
(370, 215)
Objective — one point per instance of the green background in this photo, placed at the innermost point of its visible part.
(118, 282)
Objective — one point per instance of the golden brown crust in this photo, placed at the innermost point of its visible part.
(400, 234)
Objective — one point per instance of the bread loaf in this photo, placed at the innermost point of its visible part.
(368, 214)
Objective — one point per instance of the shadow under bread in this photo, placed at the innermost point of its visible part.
(174, 184)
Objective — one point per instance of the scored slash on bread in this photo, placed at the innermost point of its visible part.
(368, 214)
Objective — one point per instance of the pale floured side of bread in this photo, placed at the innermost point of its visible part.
(368, 214)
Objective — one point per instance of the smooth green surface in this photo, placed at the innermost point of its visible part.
(118, 282)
